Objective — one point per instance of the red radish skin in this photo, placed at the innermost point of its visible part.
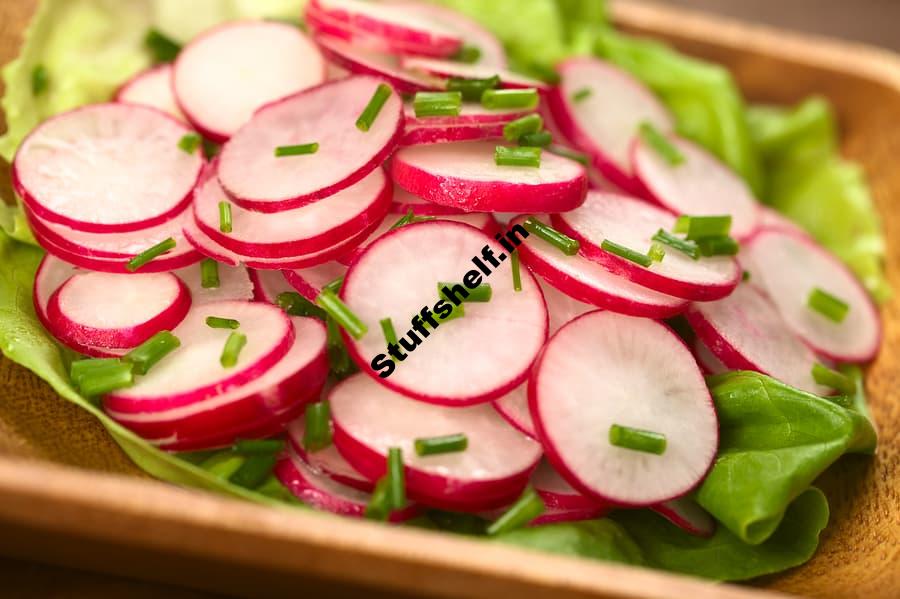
(152, 88)
(514, 408)
(632, 223)
(309, 282)
(268, 285)
(510, 329)
(225, 74)
(234, 284)
(555, 516)
(707, 360)
(369, 419)
(463, 175)
(473, 122)
(686, 514)
(448, 68)
(700, 186)
(588, 378)
(106, 168)
(257, 180)
(440, 134)
(327, 461)
(558, 494)
(788, 267)
(405, 201)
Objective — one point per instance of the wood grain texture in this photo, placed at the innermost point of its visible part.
(143, 528)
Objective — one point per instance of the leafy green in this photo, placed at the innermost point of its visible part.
(596, 539)
(773, 442)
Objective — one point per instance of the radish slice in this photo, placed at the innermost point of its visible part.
(106, 168)
(327, 461)
(405, 201)
(473, 122)
(308, 229)
(510, 329)
(589, 282)
(686, 514)
(555, 516)
(256, 179)
(268, 285)
(463, 175)
(746, 332)
(707, 360)
(448, 68)
(632, 223)
(701, 185)
(193, 372)
(152, 88)
(561, 307)
(309, 282)
(774, 220)
(234, 284)
(557, 493)
(605, 123)
(603, 369)
(470, 113)
(224, 75)
(788, 267)
(514, 408)
(494, 468)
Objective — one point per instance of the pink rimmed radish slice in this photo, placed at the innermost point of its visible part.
(514, 408)
(320, 24)
(510, 329)
(304, 230)
(294, 381)
(152, 88)
(194, 372)
(686, 514)
(234, 284)
(369, 419)
(788, 268)
(463, 175)
(309, 282)
(600, 108)
(772, 219)
(707, 360)
(258, 180)
(106, 168)
(700, 186)
(225, 74)
(746, 332)
(555, 516)
(603, 369)
(327, 461)
(589, 282)
(404, 201)
(559, 494)
(632, 223)
(448, 68)
(473, 122)
(561, 306)
(268, 285)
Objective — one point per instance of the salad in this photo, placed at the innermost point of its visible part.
(390, 262)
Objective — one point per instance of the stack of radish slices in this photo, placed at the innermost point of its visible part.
(422, 218)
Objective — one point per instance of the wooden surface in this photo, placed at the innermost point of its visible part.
(136, 527)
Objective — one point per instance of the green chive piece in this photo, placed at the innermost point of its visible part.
(338, 310)
(520, 156)
(40, 80)
(834, 379)
(745, 276)
(482, 293)
(409, 218)
(684, 246)
(223, 464)
(718, 246)
(495, 99)
(472, 89)
(255, 469)
(396, 479)
(516, 273)
(297, 150)
(443, 444)
(541, 139)
(296, 305)
(457, 312)
(526, 125)
(252, 446)
(528, 507)
(189, 142)
(233, 346)
(582, 94)
(560, 241)
(627, 253)
(224, 217)
(163, 48)
(339, 361)
(637, 439)
(215, 322)
(373, 108)
(701, 227)
(660, 144)
(570, 154)
(150, 253)
(211, 149)
(103, 378)
(829, 306)
(81, 369)
(151, 351)
(437, 103)
(379, 507)
(657, 252)
(390, 335)
(317, 426)
(467, 54)
(335, 285)
(209, 274)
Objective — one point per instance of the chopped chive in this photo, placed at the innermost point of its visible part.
(251, 446)
(151, 351)
(582, 94)
(233, 346)
(526, 125)
(209, 274)
(745, 276)
(40, 80)
(657, 252)
(317, 426)
(215, 322)
(482, 293)
(718, 246)
(637, 439)
(560, 241)
(223, 464)
(834, 379)
(467, 54)
(224, 217)
(409, 218)
(150, 253)
(164, 49)
(528, 507)
(520, 156)
(495, 99)
(677, 243)
(457, 312)
(296, 305)
(700, 227)
(81, 369)
(103, 379)
(387, 327)
(379, 507)
(443, 444)
(335, 285)
(376, 103)
(338, 310)
(540, 139)
(570, 154)
(437, 103)
(472, 89)
(297, 150)
(211, 149)
(339, 361)
(255, 469)
(516, 273)
(829, 306)
(189, 142)
(660, 144)
(396, 479)
(627, 253)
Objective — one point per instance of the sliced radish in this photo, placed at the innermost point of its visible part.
(561, 307)
(268, 285)
(327, 461)
(772, 219)
(405, 201)
(788, 267)
(514, 408)
(309, 282)
(632, 223)
(707, 360)
(106, 168)
(473, 123)
(256, 179)
(470, 113)
(448, 68)
(464, 175)
(510, 329)
(234, 284)
(224, 75)
(557, 493)
(603, 369)
(304, 230)
(589, 282)
(685, 513)
(152, 88)
(320, 24)
(193, 372)
(606, 122)
(493, 469)
(555, 516)
(701, 185)
(746, 332)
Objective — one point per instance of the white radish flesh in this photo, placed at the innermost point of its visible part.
(309, 282)
(559, 494)
(707, 360)
(685, 513)
(461, 70)
(234, 284)
(152, 88)
(405, 201)
(327, 461)
(268, 285)
(514, 408)
(561, 307)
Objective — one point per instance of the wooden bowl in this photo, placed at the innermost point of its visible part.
(69, 495)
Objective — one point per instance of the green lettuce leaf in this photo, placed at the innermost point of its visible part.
(773, 442)
(596, 539)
